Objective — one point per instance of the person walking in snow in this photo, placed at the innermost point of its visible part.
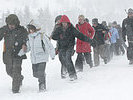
(119, 46)
(127, 30)
(107, 37)
(113, 39)
(40, 47)
(99, 41)
(57, 24)
(15, 37)
(83, 49)
(65, 35)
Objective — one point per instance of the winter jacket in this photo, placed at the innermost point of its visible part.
(107, 35)
(127, 29)
(66, 39)
(38, 54)
(114, 36)
(99, 38)
(13, 41)
(87, 30)
(120, 33)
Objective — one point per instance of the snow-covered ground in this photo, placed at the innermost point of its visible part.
(113, 81)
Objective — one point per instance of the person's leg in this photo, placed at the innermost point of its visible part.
(96, 56)
(117, 48)
(16, 75)
(41, 76)
(34, 69)
(62, 55)
(102, 53)
(107, 52)
(9, 69)
(70, 65)
(63, 71)
(112, 50)
(79, 62)
(88, 58)
(122, 49)
(130, 53)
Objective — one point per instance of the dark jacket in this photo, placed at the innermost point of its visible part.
(99, 35)
(66, 39)
(127, 29)
(13, 41)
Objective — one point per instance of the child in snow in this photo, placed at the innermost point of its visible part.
(65, 35)
(40, 47)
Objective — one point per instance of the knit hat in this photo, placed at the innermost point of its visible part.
(114, 23)
(104, 23)
(95, 21)
(12, 19)
(130, 11)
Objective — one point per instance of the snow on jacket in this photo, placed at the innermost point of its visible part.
(115, 35)
(34, 45)
(87, 30)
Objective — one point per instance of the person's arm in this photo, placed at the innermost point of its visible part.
(81, 36)
(117, 34)
(123, 30)
(24, 50)
(91, 31)
(50, 47)
(56, 34)
(1, 33)
(25, 36)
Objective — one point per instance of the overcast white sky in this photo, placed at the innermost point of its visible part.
(103, 9)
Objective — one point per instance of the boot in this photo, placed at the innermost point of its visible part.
(63, 76)
(130, 62)
(105, 61)
(42, 87)
(91, 65)
(73, 77)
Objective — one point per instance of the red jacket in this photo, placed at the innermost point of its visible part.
(86, 29)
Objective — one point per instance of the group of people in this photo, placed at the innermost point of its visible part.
(106, 41)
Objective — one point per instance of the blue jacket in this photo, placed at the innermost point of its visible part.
(115, 35)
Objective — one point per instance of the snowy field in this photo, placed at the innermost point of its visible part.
(113, 81)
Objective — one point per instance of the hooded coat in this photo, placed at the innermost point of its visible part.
(66, 39)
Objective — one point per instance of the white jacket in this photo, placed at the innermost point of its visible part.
(34, 45)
